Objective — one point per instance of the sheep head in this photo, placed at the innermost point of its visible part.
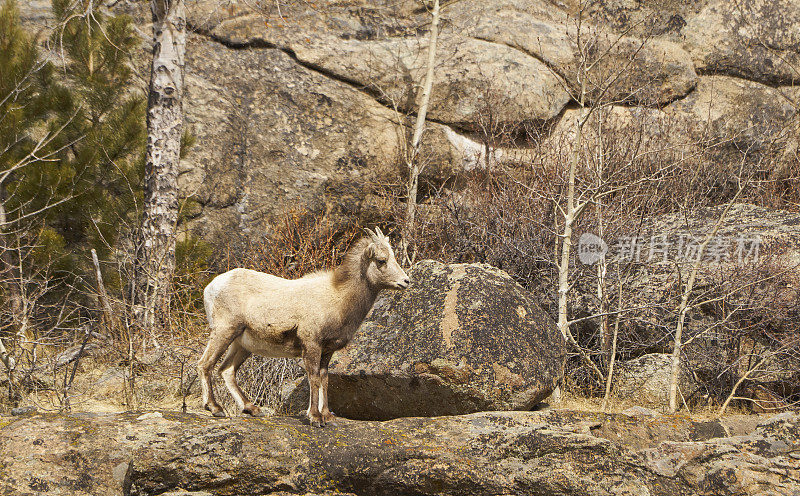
(382, 269)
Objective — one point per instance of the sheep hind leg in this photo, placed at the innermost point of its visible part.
(217, 344)
(230, 365)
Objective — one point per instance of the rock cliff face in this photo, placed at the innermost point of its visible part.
(491, 453)
(303, 106)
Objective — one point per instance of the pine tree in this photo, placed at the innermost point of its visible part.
(83, 185)
(24, 84)
(99, 151)
(27, 96)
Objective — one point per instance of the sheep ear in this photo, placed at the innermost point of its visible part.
(370, 234)
(369, 251)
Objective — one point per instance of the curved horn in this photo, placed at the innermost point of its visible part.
(379, 233)
(371, 234)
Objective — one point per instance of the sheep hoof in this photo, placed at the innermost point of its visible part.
(253, 411)
(215, 409)
(329, 419)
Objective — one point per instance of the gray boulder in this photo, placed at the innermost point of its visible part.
(473, 77)
(463, 338)
(748, 113)
(273, 136)
(646, 379)
(750, 39)
(655, 71)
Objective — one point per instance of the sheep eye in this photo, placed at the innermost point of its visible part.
(381, 263)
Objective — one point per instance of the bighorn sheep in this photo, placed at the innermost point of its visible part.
(311, 317)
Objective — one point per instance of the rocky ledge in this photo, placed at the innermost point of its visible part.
(549, 452)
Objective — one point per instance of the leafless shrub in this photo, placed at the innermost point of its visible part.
(752, 343)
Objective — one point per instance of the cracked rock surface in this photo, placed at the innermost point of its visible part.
(298, 105)
(489, 453)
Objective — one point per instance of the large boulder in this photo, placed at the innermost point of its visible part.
(751, 39)
(650, 71)
(488, 453)
(273, 135)
(630, 134)
(473, 78)
(747, 113)
(462, 338)
(645, 381)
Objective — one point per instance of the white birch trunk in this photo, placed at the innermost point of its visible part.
(570, 216)
(419, 127)
(613, 356)
(156, 251)
(684, 307)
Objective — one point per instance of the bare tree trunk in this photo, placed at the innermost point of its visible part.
(749, 371)
(605, 330)
(571, 214)
(112, 321)
(6, 263)
(566, 244)
(684, 307)
(613, 355)
(419, 126)
(155, 260)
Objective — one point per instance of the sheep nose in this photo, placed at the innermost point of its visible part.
(406, 282)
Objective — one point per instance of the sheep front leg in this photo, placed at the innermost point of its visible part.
(327, 416)
(311, 359)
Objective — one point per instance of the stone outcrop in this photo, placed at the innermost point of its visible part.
(295, 106)
(271, 132)
(553, 452)
(652, 72)
(462, 338)
(473, 79)
(647, 130)
(751, 39)
(747, 113)
(513, 60)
